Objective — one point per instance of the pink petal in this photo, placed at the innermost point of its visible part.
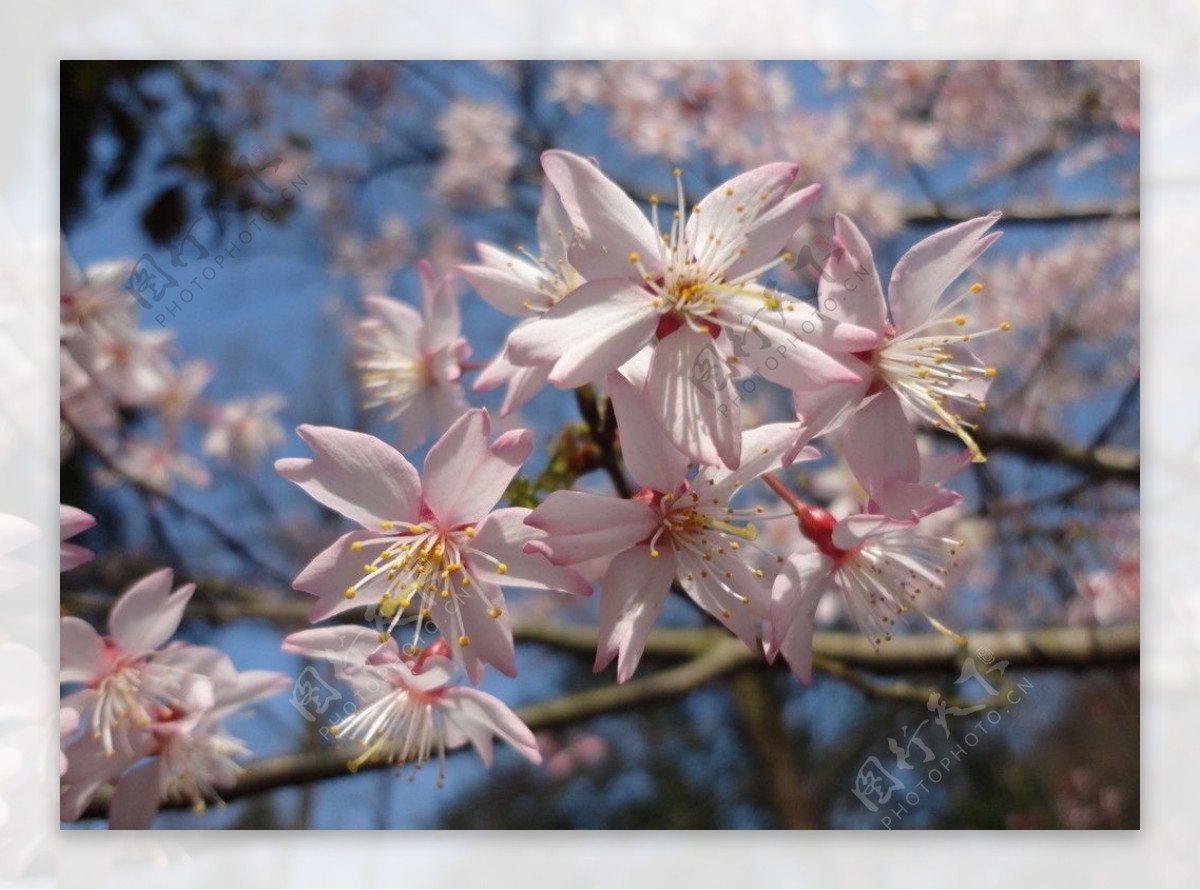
(853, 530)
(723, 225)
(490, 638)
(81, 651)
(849, 289)
(912, 500)
(331, 572)
(357, 475)
(501, 536)
(652, 460)
(136, 798)
(248, 686)
(146, 615)
(792, 345)
(582, 526)
(403, 322)
(523, 382)
(706, 584)
(635, 589)
(72, 555)
(443, 323)
(794, 599)
(477, 717)
(822, 411)
(464, 476)
(879, 445)
(346, 645)
(930, 266)
(608, 226)
(693, 396)
(508, 283)
(763, 451)
(554, 227)
(72, 521)
(590, 332)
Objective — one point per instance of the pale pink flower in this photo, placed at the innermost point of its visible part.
(156, 464)
(434, 544)
(880, 567)
(525, 287)
(127, 684)
(481, 153)
(72, 521)
(410, 707)
(245, 430)
(674, 527)
(178, 400)
(683, 291)
(919, 358)
(193, 755)
(411, 362)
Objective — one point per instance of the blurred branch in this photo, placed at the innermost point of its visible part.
(1027, 214)
(715, 654)
(1107, 461)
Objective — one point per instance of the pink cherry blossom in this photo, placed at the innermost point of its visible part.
(434, 543)
(127, 684)
(674, 527)
(682, 292)
(411, 363)
(410, 707)
(245, 430)
(525, 287)
(919, 358)
(193, 755)
(72, 521)
(880, 567)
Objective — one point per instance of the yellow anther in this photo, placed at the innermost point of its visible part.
(387, 525)
(466, 582)
(989, 373)
(368, 569)
(415, 529)
(464, 640)
(469, 531)
(1005, 326)
(734, 545)
(725, 613)
(758, 573)
(635, 257)
(351, 593)
(982, 406)
(501, 568)
(445, 594)
(405, 603)
(383, 637)
(425, 613)
(654, 199)
(728, 191)
(355, 546)
(960, 320)
(655, 554)
(676, 172)
(388, 609)
(976, 288)
(494, 613)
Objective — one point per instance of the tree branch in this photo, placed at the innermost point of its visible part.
(1026, 214)
(1104, 461)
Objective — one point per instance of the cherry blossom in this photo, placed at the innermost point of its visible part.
(919, 357)
(680, 291)
(245, 430)
(410, 363)
(411, 708)
(673, 528)
(432, 542)
(880, 567)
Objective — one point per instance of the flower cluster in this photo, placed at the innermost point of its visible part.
(109, 367)
(148, 715)
(670, 315)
